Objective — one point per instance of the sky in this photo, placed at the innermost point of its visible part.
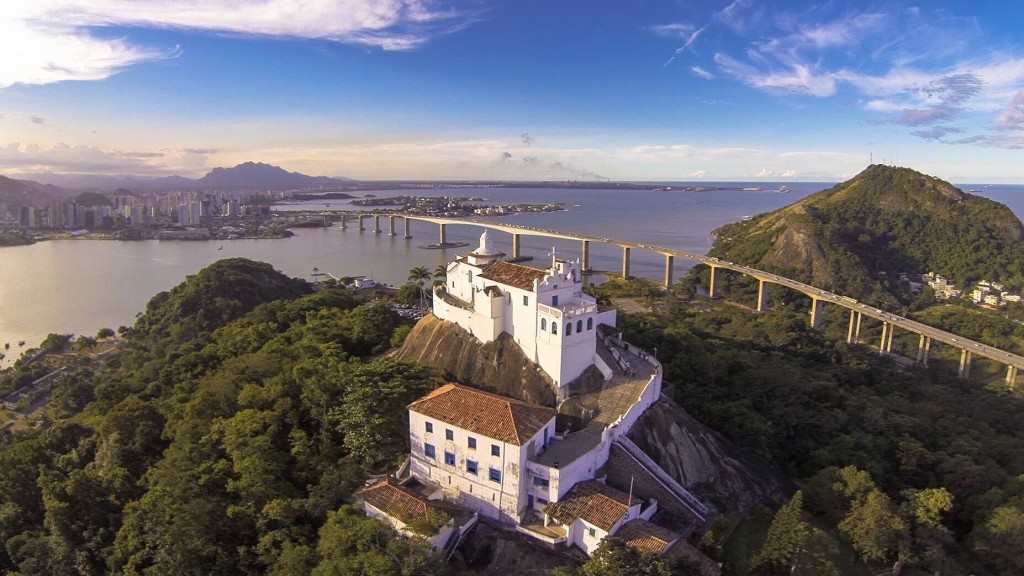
(531, 89)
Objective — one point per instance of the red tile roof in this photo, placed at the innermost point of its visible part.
(514, 275)
(490, 415)
(646, 536)
(597, 503)
(395, 501)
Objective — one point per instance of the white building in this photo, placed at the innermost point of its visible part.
(591, 511)
(500, 457)
(414, 514)
(544, 311)
(475, 445)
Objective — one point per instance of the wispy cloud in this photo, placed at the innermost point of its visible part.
(701, 73)
(57, 40)
(937, 133)
(1012, 118)
(796, 78)
(37, 119)
(679, 30)
(910, 66)
(739, 15)
(66, 159)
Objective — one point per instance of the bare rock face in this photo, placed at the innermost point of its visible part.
(705, 462)
(499, 366)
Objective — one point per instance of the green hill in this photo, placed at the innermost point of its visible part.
(884, 220)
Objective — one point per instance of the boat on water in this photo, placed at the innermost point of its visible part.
(221, 247)
(785, 189)
(21, 342)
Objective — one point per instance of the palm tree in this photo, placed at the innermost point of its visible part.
(440, 274)
(417, 276)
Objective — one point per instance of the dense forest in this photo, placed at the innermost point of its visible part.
(225, 438)
(897, 466)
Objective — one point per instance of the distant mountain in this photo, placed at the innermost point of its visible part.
(28, 192)
(260, 175)
(885, 219)
(255, 175)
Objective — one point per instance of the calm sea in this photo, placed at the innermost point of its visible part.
(80, 286)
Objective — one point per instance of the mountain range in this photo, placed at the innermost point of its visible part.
(27, 192)
(255, 175)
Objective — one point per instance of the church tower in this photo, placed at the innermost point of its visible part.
(485, 253)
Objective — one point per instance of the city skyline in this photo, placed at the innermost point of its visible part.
(428, 90)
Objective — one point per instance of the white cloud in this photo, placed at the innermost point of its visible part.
(771, 173)
(1012, 118)
(842, 32)
(795, 79)
(701, 73)
(64, 158)
(57, 40)
(680, 30)
(481, 158)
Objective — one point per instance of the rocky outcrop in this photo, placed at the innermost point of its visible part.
(704, 462)
(499, 366)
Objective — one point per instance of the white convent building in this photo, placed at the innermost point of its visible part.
(501, 458)
(544, 311)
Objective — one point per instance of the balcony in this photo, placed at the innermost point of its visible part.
(585, 305)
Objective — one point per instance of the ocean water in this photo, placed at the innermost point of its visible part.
(80, 286)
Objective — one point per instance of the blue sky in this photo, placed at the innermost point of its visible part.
(730, 89)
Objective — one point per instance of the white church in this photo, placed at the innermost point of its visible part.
(544, 311)
(504, 459)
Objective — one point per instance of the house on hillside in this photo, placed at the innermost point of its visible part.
(592, 511)
(415, 514)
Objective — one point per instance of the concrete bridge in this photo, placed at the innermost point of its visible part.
(857, 310)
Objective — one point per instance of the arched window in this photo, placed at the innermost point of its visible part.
(590, 323)
(568, 328)
(543, 323)
(579, 326)
(554, 327)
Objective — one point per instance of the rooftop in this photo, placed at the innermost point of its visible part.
(498, 417)
(395, 500)
(514, 275)
(646, 536)
(592, 501)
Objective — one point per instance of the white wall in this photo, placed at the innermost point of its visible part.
(504, 501)
(436, 541)
(579, 534)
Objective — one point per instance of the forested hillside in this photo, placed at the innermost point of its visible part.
(897, 467)
(224, 439)
(884, 220)
(243, 410)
